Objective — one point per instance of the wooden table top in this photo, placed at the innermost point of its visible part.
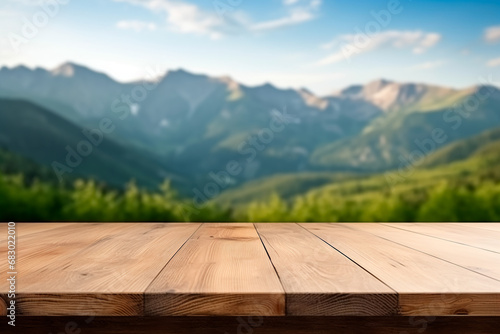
(266, 269)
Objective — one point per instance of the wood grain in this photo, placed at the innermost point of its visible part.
(48, 245)
(222, 270)
(487, 226)
(483, 239)
(318, 280)
(474, 259)
(3, 307)
(445, 288)
(23, 229)
(91, 269)
(31, 228)
(236, 269)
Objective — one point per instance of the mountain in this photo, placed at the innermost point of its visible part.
(44, 137)
(287, 186)
(13, 164)
(390, 96)
(389, 140)
(195, 121)
(197, 125)
(465, 161)
(202, 123)
(74, 91)
(484, 147)
(473, 161)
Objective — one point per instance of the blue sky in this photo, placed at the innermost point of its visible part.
(318, 44)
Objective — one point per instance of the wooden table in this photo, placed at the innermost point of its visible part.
(254, 278)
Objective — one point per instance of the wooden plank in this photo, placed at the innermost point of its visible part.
(222, 270)
(478, 260)
(22, 230)
(487, 226)
(318, 280)
(254, 325)
(47, 247)
(29, 228)
(483, 239)
(426, 285)
(102, 270)
(124, 248)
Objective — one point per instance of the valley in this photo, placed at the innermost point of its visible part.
(223, 144)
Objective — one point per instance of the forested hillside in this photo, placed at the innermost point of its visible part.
(467, 189)
(76, 145)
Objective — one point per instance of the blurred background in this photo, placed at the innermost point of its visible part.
(238, 110)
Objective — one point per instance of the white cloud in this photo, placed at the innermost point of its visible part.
(297, 13)
(356, 44)
(136, 25)
(428, 41)
(493, 62)
(312, 3)
(428, 65)
(184, 17)
(492, 34)
(315, 4)
(295, 17)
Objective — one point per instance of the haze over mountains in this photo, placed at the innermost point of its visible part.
(188, 127)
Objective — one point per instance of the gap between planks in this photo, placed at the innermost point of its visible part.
(422, 281)
(223, 269)
(319, 280)
(297, 301)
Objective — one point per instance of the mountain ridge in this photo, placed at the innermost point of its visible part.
(38, 134)
(198, 123)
